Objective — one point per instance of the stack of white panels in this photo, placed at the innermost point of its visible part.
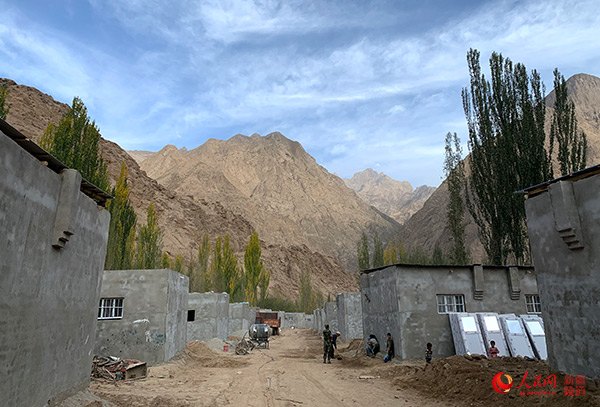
(516, 336)
(492, 331)
(534, 325)
(466, 334)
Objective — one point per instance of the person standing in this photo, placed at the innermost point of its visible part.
(389, 348)
(428, 353)
(334, 343)
(326, 344)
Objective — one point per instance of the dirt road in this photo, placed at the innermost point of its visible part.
(290, 373)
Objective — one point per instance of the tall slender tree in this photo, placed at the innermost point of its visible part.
(378, 260)
(75, 142)
(202, 280)
(4, 107)
(252, 269)
(506, 138)
(572, 143)
(362, 251)
(455, 218)
(122, 224)
(149, 245)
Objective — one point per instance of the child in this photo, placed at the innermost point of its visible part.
(389, 349)
(428, 353)
(493, 350)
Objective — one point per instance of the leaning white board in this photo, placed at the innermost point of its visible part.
(516, 336)
(466, 333)
(534, 325)
(492, 331)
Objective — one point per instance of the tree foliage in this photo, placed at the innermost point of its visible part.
(253, 269)
(149, 244)
(394, 253)
(309, 298)
(4, 108)
(119, 254)
(455, 218)
(362, 251)
(75, 142)
(224, 272)
(200, 277)
(165, 261)
(505, 119)
(378, 260)
(572, 143)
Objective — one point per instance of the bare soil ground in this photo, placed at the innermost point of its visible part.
(291, 373)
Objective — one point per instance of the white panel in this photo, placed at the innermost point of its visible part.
(469, 324)
(535, 328)
(491, 323)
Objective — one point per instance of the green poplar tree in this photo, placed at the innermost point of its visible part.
(362, 250)
(202, 280)
(455, 218)
(253, 269)
(149, 245)
(122, 224)
(75, 142)
(4, 108)
(572, 143)
(165, 262)
(377, 251)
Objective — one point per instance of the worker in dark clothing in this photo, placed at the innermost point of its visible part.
(326, 344)
(334, 343)
(389, 349)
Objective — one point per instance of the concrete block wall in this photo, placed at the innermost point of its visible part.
(331, 314)
(349, 318)
(154, 323)
(48, 297)
(297, 320)
(241, 316)
(211, 316)
(402, 300)
(563, 224)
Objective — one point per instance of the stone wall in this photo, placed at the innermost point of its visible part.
(48, 296)
(211, 316)
(402, 300)
(564, 230)
(153, 327)
(349, 318)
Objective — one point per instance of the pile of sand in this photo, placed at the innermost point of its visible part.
(199, 353)
(470, 382)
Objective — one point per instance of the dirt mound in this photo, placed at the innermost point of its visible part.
(125, 400)
(198, 353)
(470, 382)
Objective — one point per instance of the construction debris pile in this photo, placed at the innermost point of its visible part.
(113, 368)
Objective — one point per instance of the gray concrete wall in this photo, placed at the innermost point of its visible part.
(297, 320)
(241, 316)
(349, 315)
(153, 327)
(212, 316)
(331, 313)
(568, 277)
(177, 304)
(402, 300)
(48, 297)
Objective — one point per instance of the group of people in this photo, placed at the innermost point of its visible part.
(373, 347)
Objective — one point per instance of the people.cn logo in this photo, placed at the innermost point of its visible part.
(499, 385)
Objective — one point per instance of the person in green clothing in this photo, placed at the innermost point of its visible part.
(326, 344)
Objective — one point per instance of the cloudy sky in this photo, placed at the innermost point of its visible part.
(360, 84)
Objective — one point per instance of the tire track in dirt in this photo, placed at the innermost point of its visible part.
(267, 393)
(321, 388)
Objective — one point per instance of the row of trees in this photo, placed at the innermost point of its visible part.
(510, 151)
(4, 107)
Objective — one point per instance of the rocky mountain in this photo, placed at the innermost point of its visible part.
(427, 227)
(278, 187)
(185, 216)
(397, 199)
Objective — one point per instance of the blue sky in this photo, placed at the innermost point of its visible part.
(360, 84)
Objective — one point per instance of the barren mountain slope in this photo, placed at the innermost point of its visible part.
(428, 226)
(396, 199)
(278, 187)
(182, 218)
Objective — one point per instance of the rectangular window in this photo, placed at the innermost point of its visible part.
(533, 304)
(450, 303)
(191, 315)
(110, 308)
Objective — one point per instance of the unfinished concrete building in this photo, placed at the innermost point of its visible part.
(142, 314)
(241, 316)
(208, 316)
(297, 320)
(330, 312)
(563, 222)
(349, 315)
(53, 233)
(412, 301)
